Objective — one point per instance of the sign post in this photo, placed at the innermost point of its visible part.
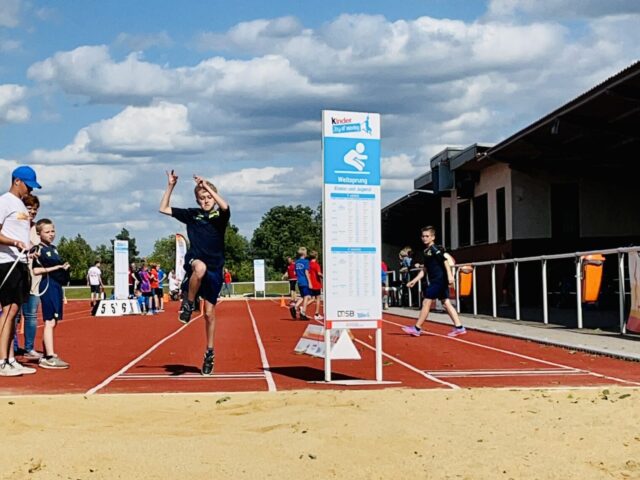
(121, 269)
(258, 278)
(351, 226)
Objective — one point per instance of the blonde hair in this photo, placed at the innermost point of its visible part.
(302, 251)
(209, 184)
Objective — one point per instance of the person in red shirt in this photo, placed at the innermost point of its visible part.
(153, 281)
(315, 272)
(290, 275)
(225, 291)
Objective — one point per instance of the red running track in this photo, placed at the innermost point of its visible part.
(255, 343)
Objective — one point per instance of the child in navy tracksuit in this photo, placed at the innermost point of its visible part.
(55, 274)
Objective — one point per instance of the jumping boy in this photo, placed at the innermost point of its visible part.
(302, 274)
(204, 260)
(437, 265)
(54, 275)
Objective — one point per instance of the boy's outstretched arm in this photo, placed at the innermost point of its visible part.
(216, 196)
(165, 206)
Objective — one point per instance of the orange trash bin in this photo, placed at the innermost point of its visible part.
(466, 280)
(591, 277)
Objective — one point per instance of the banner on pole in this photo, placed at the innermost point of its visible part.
(121, 269)
(181, 251)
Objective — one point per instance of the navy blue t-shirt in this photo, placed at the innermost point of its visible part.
(434, 264)
(49, 257)
(206, 234)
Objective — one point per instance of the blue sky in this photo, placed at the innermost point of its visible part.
(102, 97)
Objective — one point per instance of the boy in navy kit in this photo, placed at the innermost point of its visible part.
(54, 273)
(204, 260)
(437, 264)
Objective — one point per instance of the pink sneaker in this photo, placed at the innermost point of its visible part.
(411, 330)
(457, 332)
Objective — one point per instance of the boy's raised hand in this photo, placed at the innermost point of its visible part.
(200, 182)
(172, 178)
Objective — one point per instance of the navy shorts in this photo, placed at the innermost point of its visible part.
(436, 291)
(292, 285)
(304, 291)
(51, 299)
(210, 286)
(95, 288)
(315, 293)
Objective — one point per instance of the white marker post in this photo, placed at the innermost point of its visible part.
(351, 226)
(121, 269)
(258, 278)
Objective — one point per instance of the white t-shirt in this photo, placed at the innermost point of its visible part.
(174, 284)
(16, 224)
(94, 274)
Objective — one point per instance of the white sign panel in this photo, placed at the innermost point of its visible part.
(121, 269)
(258, 276)
(351, 219)
(181, 251)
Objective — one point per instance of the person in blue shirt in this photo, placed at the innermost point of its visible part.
(304, 285)
(437, 266)
(55, 274)
(204, 259)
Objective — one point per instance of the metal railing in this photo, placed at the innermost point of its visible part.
(544, 259)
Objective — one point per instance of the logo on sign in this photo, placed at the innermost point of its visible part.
(348, 125)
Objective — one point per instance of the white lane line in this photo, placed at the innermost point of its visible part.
(405, 364)
(107, 381)
(519, 355)
(263, 355)
(193, 374)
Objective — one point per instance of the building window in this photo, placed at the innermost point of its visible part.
(446, 240)
(501, 215)
(464, 224)
(480, 219)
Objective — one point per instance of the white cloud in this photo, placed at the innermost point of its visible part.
(160, 128)
(10, 13)
(258, 182)
(11, 109)
(139, 42)
(10, 45)
(562, 9)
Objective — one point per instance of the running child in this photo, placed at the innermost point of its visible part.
(437, 265)
(302, 274)
(54, 272)
(291, 276)
(204, 260)
(315, 282)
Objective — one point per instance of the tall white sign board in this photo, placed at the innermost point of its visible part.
(121, 269)
(351, 222)
(258, 278)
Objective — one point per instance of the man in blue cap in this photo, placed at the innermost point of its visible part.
(14, 271)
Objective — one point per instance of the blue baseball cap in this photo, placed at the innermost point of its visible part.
(27, 175)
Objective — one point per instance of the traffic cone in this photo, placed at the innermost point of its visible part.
(283, 303)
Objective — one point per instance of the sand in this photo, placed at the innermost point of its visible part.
(394, 433)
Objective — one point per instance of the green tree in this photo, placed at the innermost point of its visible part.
(133, 249)
(282, 230)
(80, 256)
(164, 252)
(237, 256)
(105, 255)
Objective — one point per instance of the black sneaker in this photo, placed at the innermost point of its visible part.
(303, 316)
(185, 311)
(292, 311)
(207, 364)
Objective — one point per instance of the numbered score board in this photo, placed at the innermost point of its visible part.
(117, 308)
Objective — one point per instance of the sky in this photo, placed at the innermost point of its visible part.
(101, 98)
